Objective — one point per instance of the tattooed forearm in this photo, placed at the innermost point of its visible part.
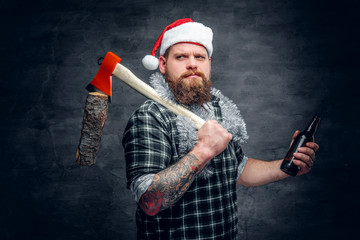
(169, 185)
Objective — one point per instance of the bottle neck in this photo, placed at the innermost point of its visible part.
(311, 128)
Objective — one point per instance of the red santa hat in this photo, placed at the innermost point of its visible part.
(182, 30)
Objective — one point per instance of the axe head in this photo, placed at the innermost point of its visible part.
(103, 80)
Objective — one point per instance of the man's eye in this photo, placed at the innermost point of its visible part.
(200, 57)
(179, 57)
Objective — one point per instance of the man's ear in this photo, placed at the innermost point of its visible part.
(162, 64)
(210, 63)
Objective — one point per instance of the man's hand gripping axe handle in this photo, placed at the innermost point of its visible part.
(103, 82)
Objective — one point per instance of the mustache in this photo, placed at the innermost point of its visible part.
(189, 73)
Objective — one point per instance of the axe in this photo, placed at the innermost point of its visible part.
(96, 105)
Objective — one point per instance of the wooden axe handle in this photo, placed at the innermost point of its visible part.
(130, 79)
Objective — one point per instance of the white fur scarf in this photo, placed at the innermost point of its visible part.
(232, 120)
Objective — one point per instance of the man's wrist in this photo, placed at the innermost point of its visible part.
(281, 174)
(202, 155)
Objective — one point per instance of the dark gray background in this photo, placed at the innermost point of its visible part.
(280, 61)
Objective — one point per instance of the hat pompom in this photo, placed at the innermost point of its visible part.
(150, 62)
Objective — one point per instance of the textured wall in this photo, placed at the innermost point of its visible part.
(280, 61)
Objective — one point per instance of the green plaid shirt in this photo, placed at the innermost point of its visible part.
(208, 210)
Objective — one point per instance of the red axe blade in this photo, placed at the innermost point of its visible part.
(103, 79)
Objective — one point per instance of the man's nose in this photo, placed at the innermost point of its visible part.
(191, 64)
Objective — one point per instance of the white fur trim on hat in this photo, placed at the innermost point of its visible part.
(188, 32)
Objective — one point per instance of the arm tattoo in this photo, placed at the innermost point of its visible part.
(169, 185)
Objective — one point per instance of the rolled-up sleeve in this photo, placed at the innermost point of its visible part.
(242, 159)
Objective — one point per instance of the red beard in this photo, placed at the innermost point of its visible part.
(191, 90)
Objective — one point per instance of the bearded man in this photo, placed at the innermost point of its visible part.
(184, 180)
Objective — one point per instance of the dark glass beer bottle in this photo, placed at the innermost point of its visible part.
(305, 136)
